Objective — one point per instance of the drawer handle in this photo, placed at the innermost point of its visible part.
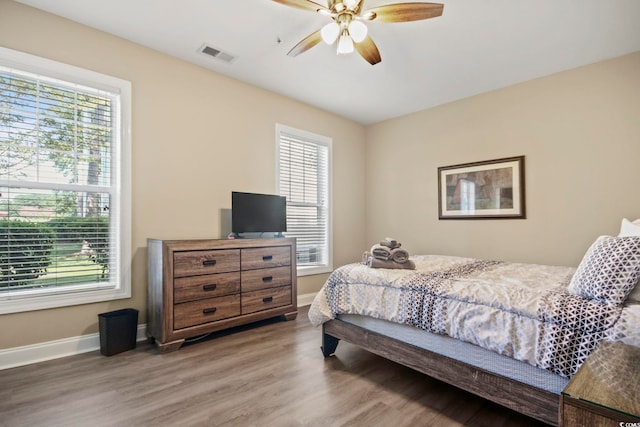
(267, 257)
(267, 278)
(210, 287)
(208, 262)
(267, 299)
(209, 310)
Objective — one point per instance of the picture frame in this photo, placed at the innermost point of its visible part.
(490, 189)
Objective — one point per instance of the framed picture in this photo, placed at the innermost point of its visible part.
(481, 190)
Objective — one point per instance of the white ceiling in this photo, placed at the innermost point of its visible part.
(474, 47)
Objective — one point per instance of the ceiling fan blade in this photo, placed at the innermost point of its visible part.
(403, 12)
(307, 43)
(303, 4)
(368, 50)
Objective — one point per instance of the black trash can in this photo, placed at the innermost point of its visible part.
(118, 330)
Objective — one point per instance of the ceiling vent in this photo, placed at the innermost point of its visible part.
(217, 53)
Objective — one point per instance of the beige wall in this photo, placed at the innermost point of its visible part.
(579, 131)
(196, 136)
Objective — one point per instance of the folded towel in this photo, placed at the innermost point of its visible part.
(378, 263)
(381, 252)
(399, 255)
(390, 243)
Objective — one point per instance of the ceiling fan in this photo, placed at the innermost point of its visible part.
(347, 27)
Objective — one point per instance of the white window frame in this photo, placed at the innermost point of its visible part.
(28, 300)
(321, 140)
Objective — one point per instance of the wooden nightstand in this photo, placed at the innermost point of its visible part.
(606, 389)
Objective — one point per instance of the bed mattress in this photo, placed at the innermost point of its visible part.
(464, 352)
(520, 311)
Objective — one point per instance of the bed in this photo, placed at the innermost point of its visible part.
(512, 333)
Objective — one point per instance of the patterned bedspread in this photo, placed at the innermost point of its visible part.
(522, 311)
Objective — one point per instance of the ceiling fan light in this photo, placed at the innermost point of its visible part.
(345, 44)
(329, 32)
(358, 31)
(351, 4)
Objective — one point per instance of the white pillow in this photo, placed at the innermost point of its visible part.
(628, 228)
(609, 270)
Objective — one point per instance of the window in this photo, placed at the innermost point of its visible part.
(64, 185)
(304, 170)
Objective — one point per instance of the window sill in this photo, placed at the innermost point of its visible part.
(312, 270)
(20, 303)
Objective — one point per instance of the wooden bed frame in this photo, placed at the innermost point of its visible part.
(528, 400)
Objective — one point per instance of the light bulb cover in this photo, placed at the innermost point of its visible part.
(358, 31)
(329, 32)
(350, 3)
(345, 44)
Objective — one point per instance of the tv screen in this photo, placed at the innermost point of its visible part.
(258, 213)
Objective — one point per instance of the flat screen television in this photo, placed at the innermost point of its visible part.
(258, 213)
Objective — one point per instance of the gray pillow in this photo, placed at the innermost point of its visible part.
(609, 270)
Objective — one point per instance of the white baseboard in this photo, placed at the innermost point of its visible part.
(34, 353)
(306, 299)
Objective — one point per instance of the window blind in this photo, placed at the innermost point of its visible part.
(304, 181)
(58, 228)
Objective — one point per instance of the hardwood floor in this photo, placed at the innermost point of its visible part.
(271, 375)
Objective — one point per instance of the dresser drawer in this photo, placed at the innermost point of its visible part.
(265, 299)
(208, 286)
(193, 263)
(253, 280)
(272, 256)
(205, 311)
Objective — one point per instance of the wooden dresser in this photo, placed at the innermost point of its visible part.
(202, 286)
